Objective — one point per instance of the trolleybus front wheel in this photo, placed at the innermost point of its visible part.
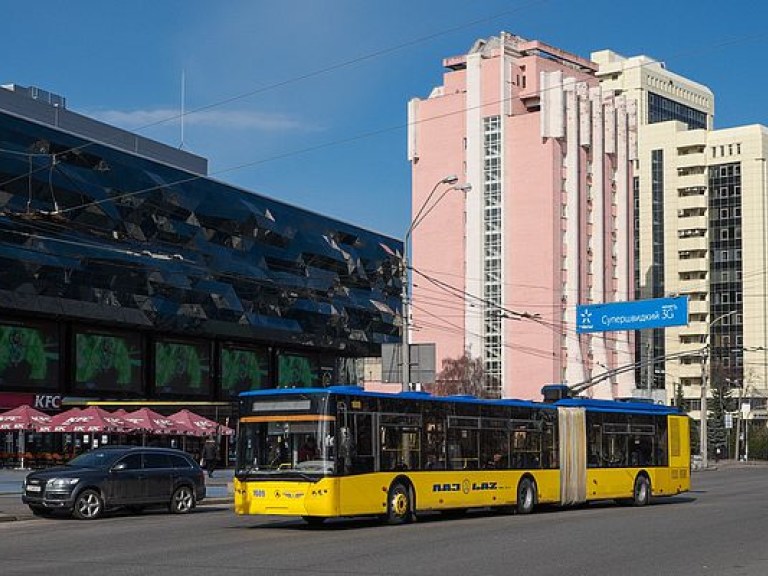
(399, 505)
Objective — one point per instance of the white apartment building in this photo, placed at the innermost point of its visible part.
(701, 220)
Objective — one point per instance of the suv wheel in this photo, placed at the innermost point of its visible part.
(89, 505)
(183, 500)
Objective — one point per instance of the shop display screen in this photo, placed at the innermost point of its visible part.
(29, 356)
(182, 368)
(108, 361)
(297, 372)
(242, 369)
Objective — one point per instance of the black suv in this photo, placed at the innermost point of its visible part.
(112, 477)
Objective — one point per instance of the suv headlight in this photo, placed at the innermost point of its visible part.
(62, 483)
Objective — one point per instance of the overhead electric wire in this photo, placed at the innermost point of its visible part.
(312, 74)
(320, 146)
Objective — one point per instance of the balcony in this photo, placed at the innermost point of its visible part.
(693, 222)
(690, 160)
(693, 243)
(693, 265)
(692, 180)
(688, 370)
(698, 307)
(693, 201)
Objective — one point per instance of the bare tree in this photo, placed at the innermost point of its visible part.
(463, 375)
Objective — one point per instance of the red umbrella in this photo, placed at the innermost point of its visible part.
(91, 419)
(147, 420)
(23, 418)
(197, 425)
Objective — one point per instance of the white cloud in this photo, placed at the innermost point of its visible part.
(227, 119)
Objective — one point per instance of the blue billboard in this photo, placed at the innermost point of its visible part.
(637, 315)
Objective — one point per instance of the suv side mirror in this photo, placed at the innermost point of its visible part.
(119, 466)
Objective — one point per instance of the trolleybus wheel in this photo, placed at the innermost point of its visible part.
(641, 494)
(399, 506)
(526, 496)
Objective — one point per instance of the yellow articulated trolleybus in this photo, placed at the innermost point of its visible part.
(340, 451)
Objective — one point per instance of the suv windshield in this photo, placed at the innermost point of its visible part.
(287, 448)
(96, 459)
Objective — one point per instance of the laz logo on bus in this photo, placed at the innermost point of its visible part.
(259, 494)
(455, 487)
(483, 486)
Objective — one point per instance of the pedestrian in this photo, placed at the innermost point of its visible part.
(210, 456)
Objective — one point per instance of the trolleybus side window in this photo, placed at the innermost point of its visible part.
(433, 442)
(633, 440)
(463, 442)
(399, 438)
(494, 443)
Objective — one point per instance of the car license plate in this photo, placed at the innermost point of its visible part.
(34, 488)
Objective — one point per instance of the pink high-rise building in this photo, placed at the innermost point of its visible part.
(498, 271)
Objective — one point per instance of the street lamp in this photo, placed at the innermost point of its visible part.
(704, 374)
(424, 210)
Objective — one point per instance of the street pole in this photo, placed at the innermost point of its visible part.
(704, 375)
(405, 346)
(650, 370)
(703, 407)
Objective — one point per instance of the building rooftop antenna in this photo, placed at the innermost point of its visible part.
(183, 90)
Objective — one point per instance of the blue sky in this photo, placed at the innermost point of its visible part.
(305, 101)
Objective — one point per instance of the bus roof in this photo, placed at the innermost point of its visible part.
(358, 391)
(588, 404)
(617, 406)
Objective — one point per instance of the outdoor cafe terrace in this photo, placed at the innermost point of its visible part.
(30, 438)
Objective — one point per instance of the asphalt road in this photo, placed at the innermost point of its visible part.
(720, 528)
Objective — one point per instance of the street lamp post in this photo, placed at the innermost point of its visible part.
(405, 351)
(704, 375)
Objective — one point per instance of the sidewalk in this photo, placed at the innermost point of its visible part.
(218, 488)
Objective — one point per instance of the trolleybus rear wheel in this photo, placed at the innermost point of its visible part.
(526, 496)
(641, 494)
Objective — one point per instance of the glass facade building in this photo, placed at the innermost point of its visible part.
(122, 276)
(661, 109)
(726, 285)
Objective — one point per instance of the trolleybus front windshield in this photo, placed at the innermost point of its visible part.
(289, 446)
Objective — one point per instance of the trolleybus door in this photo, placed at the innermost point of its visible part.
(573, 455)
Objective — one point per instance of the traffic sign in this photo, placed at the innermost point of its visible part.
(635, 315)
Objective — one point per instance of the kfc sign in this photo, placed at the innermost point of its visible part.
(47, 401)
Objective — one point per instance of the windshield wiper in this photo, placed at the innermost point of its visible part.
(303, 476)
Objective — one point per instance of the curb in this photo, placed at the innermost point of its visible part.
(206, 502)
(216, 501)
